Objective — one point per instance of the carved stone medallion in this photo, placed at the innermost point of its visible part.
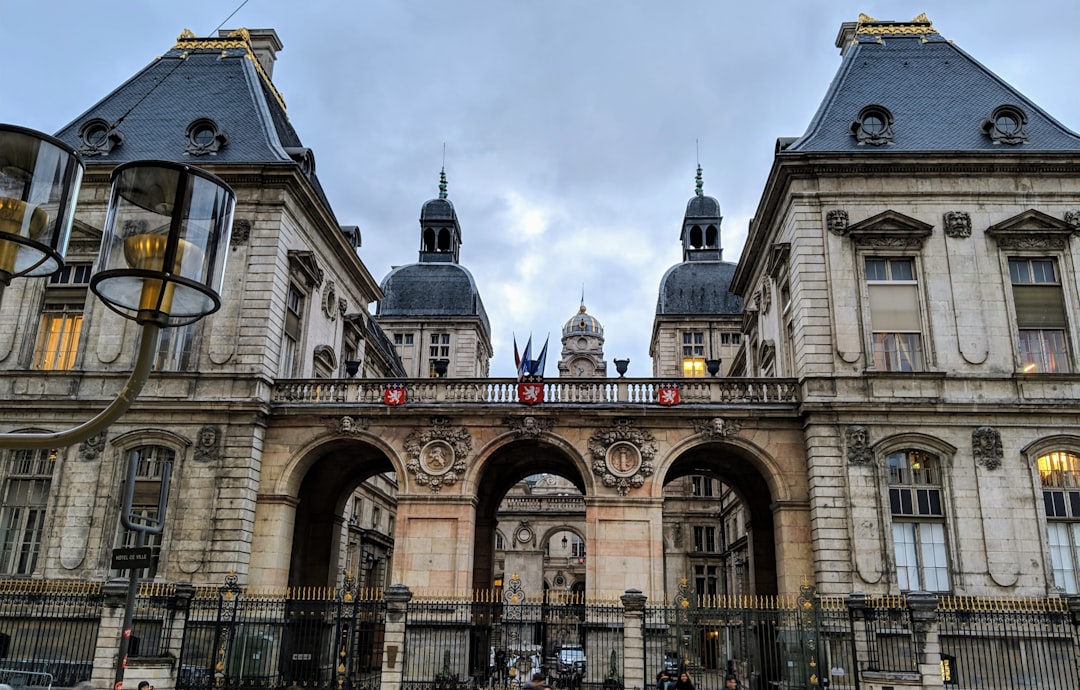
(857, 438)
(607, 448)
(986, 447)
(623, 459)
(1073, 218)
(431, 450)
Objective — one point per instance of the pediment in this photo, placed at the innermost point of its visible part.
(1031, 230)
(303, 264)
(85, 241)
(890, 229)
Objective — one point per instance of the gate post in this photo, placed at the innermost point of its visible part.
(397, 604)
(634, 675)
(924, 623)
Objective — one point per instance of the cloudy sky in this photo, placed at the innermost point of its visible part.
(572, 128)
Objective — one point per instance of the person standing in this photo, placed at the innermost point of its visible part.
(684, 682)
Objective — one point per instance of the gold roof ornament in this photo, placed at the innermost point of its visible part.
(919, 26)
(238, 39)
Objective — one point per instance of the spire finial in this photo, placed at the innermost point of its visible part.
(698, 183)
(582, 298)
(442, 174)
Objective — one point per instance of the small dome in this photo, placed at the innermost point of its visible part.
(702, 207)
(437, 209)
(698, 287)
(431, 289)
(582, 323)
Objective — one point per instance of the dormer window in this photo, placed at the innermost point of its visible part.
(204, 136)
(873, 126)
(98, 137)
(1007, 125)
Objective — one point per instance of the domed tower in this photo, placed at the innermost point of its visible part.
(696, 330)
(432, 310)
(583, 346)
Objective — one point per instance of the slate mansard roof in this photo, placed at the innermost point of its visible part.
(696, 288)
(432, 290)
(938, 95)
(215, 79)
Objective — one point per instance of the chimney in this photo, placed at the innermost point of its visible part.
(843, 39)
(265, 44)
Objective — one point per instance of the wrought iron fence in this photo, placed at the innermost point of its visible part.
(502, 639)
(310, 637)
(889, 639)
(991, 644)
(765, 642)
(50, 628)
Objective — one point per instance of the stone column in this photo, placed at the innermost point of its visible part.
(634, 675)
(397, 604)
(108, 638)
(922, 606)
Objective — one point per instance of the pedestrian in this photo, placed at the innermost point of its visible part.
(145, 685)
(663, 680)
(684, 682)
(731, 682)
(536, 683)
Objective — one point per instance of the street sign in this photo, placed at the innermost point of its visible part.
(133, 558)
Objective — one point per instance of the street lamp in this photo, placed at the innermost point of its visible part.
(162, 262)
(39, 183)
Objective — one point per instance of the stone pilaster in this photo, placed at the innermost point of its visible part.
(922, 607)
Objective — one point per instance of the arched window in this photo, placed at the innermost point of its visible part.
(22, 516)
(444, 240)
(429, 240)
(918, 522)
(149, 473)
(695, 237)
(1060, 476)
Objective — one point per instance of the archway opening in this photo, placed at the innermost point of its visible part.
(718, 524)
(344, 521)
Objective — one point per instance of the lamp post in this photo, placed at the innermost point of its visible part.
(161, 264)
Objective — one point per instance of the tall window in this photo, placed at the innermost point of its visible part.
(438, 348)
(148, 474)
(705, 579)
(22, 518)
(918, 521)
(702, 486)
(290, 340)
(58, 337)
(174, 348)
(1040, 315)
(894, 314)
(704, 539)
(1060, 475)
(693, 354)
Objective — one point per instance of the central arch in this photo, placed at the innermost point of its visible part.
(504, 467)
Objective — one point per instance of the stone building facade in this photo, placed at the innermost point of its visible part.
(893, 413)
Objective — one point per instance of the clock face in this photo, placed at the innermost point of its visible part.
(623, 459)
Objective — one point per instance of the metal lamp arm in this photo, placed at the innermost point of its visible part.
(59, 439)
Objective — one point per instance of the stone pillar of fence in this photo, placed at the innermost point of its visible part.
(860, 652)
(922, 606)
(634, 639)
(397, 604)
(108, 638)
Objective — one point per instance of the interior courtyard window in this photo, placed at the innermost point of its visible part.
(705, 577)
(290, 340)
(1059, 473)
(894, 314)
(22, 517)
(704, 539)
(1040, 315)
(151, 462)
(918, 522)
(693, 354)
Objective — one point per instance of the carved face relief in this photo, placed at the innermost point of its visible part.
(837, 221)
